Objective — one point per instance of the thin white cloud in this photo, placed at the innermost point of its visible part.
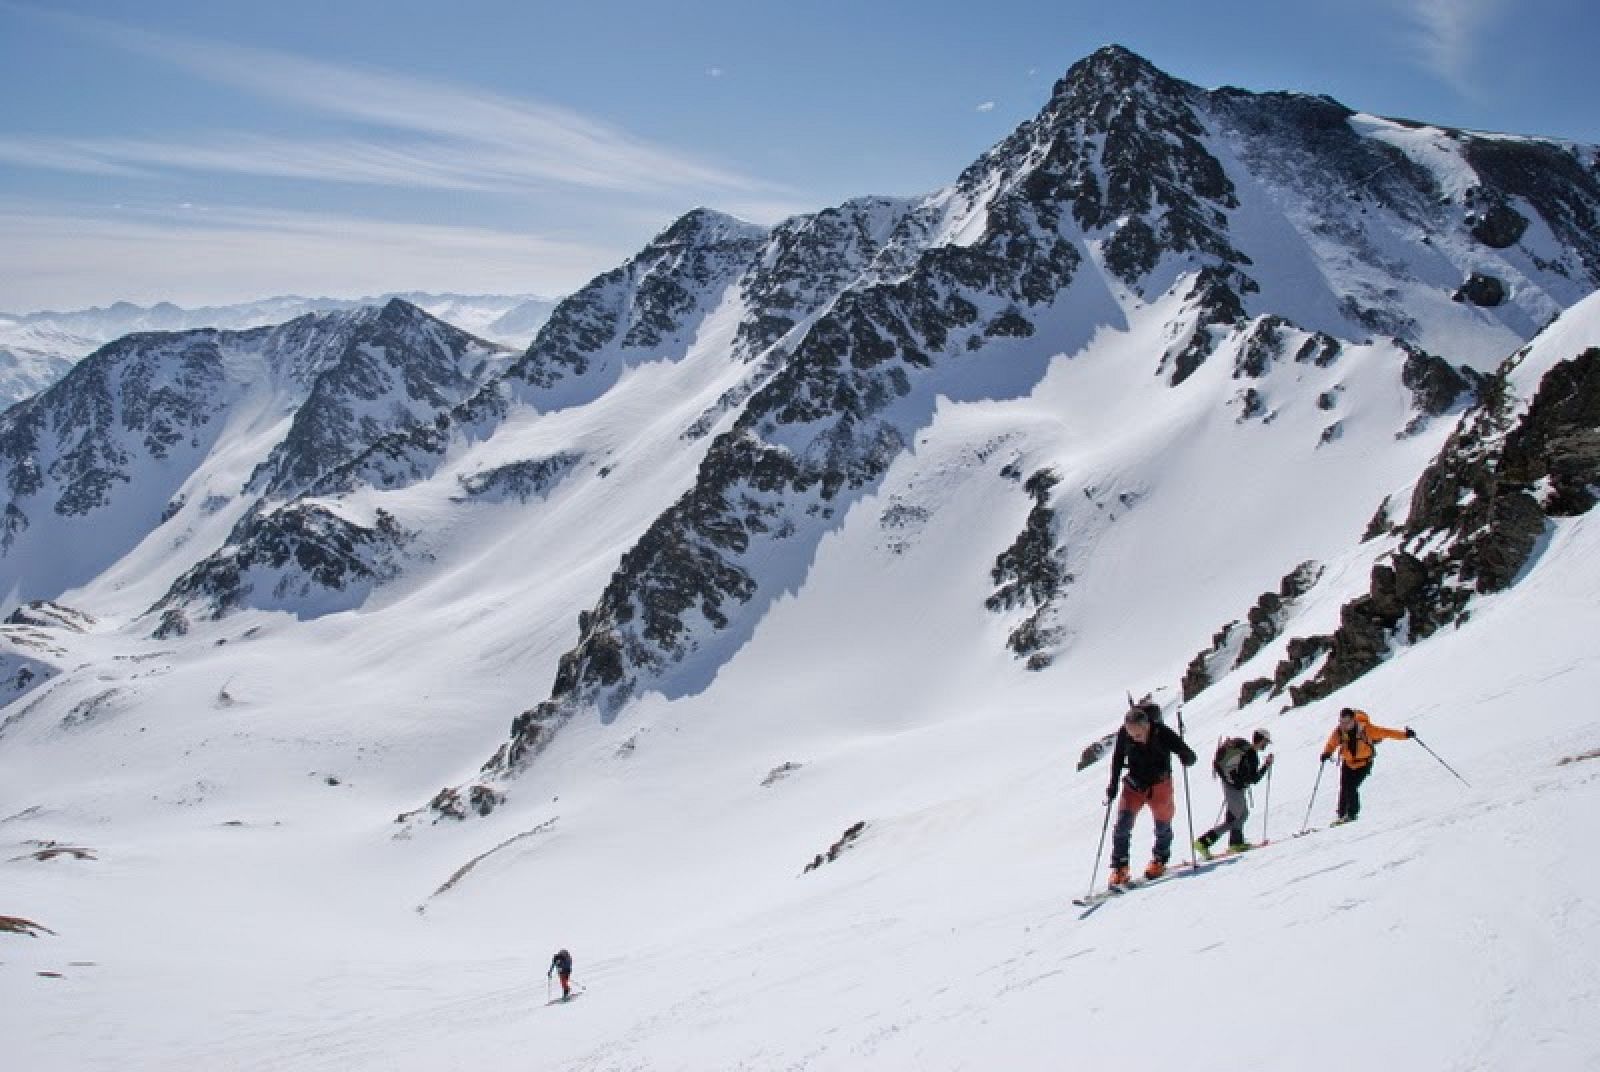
(714, 72)
(63, 155)
(1448, 37)
(986, 106)
(427, 133)
(59, 256)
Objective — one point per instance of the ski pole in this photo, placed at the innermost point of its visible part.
(1446, 766)
(1307, 824)
(1101, 848)
(1266, 806)
(1188, 801)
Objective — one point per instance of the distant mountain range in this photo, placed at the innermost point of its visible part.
(37, 348)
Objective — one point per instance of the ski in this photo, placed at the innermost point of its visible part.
(1117, 891)
(1100, 898)
(1178, 871)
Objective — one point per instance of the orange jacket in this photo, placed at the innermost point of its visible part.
(1356, 748)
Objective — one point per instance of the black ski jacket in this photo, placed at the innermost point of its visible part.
(1150, 762)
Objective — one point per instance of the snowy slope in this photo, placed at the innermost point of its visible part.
(1122, 394)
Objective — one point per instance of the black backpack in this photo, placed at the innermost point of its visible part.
(1229, 758)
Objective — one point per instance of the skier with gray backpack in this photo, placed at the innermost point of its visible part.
(1238, 765)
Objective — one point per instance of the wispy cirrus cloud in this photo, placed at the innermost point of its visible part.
(1448, 35)
(411, 131)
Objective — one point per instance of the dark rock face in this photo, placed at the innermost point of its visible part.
(1499, 226)
(1199, 675)
(1264, 345)
(520, 480)
(391, 374)
(1094, 750)
(1238, 642)
(1302, 654)
(149, 394)
(846, 840)
(1476, 517)
(1560, 182)
(1480, 289)
(1029, 574)
(1321, 350)
(44, 614)
(1158, 175)
(1379, 525)
(1217, 305)
(807, 262)
(478, 800)
(299, 548)
(643, 305)
(1267, 617)
(1436, 387)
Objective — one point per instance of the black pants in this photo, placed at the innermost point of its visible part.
(1350, 779)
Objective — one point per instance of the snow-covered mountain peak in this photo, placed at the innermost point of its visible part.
(1108, 73)
(705, 227)
(163, 431)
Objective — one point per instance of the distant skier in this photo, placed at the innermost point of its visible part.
(1145, 746)
(1238, 764)
(561, 965)
(1355, 739)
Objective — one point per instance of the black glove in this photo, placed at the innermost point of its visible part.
(1410, 733)
(1265, 767)
(1111, 792)
(1326, 756)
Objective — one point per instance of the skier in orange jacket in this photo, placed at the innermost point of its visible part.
(1355, 739)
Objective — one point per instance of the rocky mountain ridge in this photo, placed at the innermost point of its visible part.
(37, 348)
(127, 442)
(1127, 173)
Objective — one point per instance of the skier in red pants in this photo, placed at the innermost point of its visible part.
(1145, 746)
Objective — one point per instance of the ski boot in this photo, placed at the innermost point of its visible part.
(1203, 847)
(1155, 869)
(1120, 876)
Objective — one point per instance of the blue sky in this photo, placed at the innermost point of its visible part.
(212, 151)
